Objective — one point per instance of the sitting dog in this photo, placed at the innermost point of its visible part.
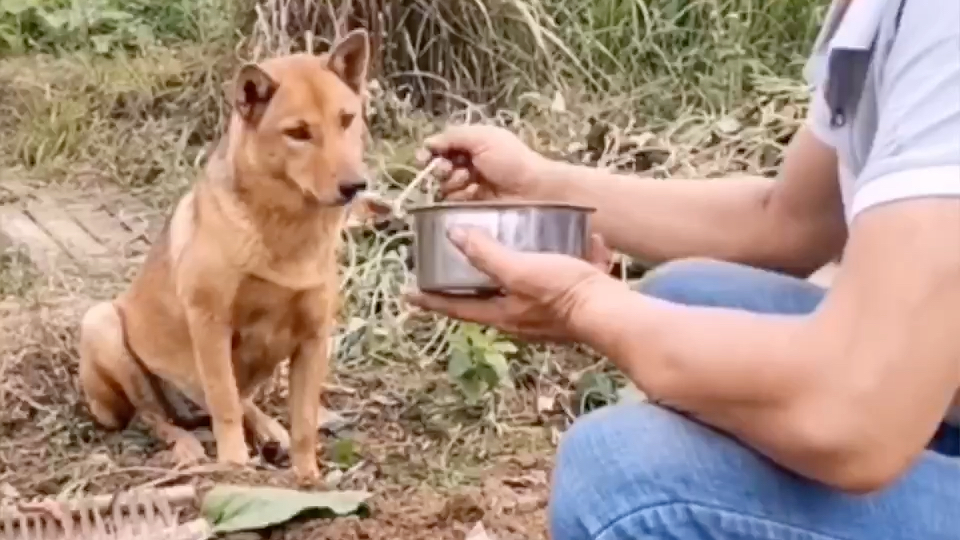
(244, 274)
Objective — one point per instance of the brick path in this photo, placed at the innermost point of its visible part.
(76, 240)
(93, 231)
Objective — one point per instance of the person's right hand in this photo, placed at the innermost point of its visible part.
(482, 162)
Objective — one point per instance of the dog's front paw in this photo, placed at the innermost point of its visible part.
(307, 473)
(187, 450)
(238, 458)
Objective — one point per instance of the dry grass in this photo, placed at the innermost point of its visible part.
(678, 55)
(661, 88)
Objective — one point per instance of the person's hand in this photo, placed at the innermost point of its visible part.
(482, 162)
(541, 291)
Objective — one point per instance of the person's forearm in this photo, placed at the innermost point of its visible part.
(753, 376)
(661, 220)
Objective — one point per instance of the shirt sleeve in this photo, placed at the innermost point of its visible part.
(916, 149)
(818, 118)
(814, 73)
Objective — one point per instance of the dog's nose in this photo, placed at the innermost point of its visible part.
(349, 190)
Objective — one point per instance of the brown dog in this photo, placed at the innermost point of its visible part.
(244, 274)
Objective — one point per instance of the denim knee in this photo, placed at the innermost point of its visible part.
(708, 282)
(676, 281)
(615, 458)
(637, 471)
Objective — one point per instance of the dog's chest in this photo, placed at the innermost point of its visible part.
(269, 323)
(299, 255)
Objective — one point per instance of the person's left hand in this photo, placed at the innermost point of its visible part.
(541, 291)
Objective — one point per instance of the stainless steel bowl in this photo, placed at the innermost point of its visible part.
(524, 226)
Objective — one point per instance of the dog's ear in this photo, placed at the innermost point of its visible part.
(253, 90)
(349, 58)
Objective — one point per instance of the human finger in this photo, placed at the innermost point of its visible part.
(458, 180)
(487, 255)
(599, 255)
(458, 143)
(423, 156)
(468, 193)
(442, 170)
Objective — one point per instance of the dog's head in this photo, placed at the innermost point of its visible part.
(299, 119)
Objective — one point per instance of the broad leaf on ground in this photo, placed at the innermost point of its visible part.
(241, 508)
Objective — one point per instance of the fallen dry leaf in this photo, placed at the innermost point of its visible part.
(545, 403)
(479, 533)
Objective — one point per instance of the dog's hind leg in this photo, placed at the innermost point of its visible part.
(185, 446)
(102, 354)
(116, 388)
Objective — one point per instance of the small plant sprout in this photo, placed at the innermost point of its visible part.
(478, 361)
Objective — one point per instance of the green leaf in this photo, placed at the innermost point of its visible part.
(112, 15)
(16, 7)
(498, 362)
(597, 383)
(56, 20)
(9, 40)
(102, 44)
(595, 390)
(241, 508)
(459, 343)
(488, 375)
(505, 347)
(473, 388)
(473, 333)
(459, 364)
(344, 453)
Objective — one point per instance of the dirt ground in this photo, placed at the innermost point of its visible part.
(434, 465)
(423, 483)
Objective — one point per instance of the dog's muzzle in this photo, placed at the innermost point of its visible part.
(349, 191)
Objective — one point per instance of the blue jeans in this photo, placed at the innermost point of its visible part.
(642, 472)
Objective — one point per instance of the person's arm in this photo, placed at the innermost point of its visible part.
(847, 396)
(793, 224)
(851, 394)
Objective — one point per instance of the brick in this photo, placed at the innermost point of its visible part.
(43, 251)
(61, 226)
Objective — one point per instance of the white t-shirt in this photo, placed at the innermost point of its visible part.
(886, 95)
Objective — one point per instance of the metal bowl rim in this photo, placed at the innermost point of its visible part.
(499, 205)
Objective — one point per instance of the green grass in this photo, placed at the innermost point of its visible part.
(109, 26)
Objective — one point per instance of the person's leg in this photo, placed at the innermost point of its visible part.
(705, 282)
(640, 472)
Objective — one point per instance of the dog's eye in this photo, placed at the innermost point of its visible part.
(298, 133)
(346, 119)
